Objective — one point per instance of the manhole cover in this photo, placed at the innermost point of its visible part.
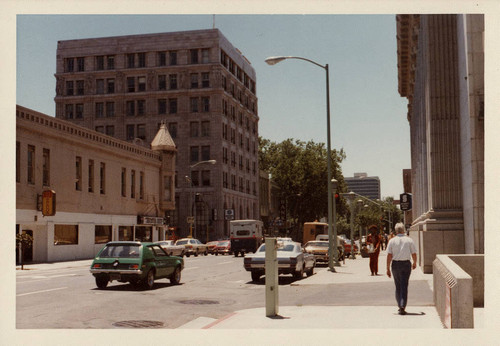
(138, 324)
(198, 301)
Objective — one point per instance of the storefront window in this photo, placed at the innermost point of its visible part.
(143, 233)
(102, 234)
(125, 233)
(65, 234)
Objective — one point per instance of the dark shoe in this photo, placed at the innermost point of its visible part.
(402, 311)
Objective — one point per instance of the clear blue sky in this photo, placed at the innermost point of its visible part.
(368, 115)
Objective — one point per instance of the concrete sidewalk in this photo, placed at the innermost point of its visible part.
(355, 317)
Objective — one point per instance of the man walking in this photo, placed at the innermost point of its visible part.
(399, 251)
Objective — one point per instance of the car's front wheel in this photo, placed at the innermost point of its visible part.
(255, 276)
(150, 280)
(175, 279)
(299, 274)
(101, 281)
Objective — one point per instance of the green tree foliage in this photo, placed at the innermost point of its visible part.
(300, 170)
(24, 241)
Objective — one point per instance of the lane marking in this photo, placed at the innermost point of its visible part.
(36, 292)
(224, 263)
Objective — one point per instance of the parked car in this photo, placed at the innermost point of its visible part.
(223, 247)
(135, 262)
(192, 246)
(172, 249)
(347, 248)
(212, 247)
(319, 249)
(291, 260)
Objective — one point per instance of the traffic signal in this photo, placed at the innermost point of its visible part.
(337, 198)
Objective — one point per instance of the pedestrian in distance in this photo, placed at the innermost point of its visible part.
(400, 250)
(374, 243)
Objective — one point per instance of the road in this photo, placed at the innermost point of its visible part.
(211, 287)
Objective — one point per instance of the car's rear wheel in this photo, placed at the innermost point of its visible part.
(310, 272)
(188, 254)
(196, 253)
(216, 254)
(175, 279)
(255, 276)
(206, 252)
(150, 279)
(101, 281)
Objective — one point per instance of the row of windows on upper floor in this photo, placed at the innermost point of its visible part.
(138, 84)
(46, 167)
(162, 58)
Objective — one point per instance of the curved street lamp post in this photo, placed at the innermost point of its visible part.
(193, 199)
(276, 59)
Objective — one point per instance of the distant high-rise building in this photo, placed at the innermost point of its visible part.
(200, 86)
(364, 185)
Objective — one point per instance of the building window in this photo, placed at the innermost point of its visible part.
(162, 59)
(193, 129)
(162, 106)
(205, 104)
(78, 173)
(111, 85)
(141, 84)
(162, 82)
(132, 184)
(80, 64)
(194, 154)
(80, 87)
(99, 129)
(46, 167)
(130, 132)
(172, 106)
(102, 234)
(110, 130)
(224, 155)
(205, 153)
(167, 188)
(130, 108)
(69, 111)
(141, 131)
(194, 104)
(233, 159)
(99, 86)
(130, 84)
(130, 60)
(79, 111)
(91, 176)
(111, 62)
(205, 178)
(204, 56)
(224, 180)
(172, 81)
(102, 178)
(18, 162)
(233, 182)
(124, 182)
(65, 234)
(173, 58)
(205, 128)
(224, 82)
(142, 59)
(99, 62)
(194, 80)
(193, 53)
(195, 179)
(69, 65)
(141, 185)
(141, 107)
(205, 80)
(125, 233)
(110, 109)
(172, 129)
(70, 88)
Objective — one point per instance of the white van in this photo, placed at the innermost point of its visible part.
(246, 236)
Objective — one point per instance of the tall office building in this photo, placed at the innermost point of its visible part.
(196, 83)
(364, 185)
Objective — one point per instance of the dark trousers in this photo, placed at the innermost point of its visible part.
(401, 271)
(374, 262)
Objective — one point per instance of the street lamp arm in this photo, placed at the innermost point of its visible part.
(276, 59)
(199, 163)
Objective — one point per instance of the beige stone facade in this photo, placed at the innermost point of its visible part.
(441, 72)
(104, 187)
(196, 83)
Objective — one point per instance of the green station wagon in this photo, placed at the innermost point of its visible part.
(135, 262)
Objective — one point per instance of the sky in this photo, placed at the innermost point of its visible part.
(368, 117)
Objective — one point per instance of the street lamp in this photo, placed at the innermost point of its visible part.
(212, 162)
(276, 59)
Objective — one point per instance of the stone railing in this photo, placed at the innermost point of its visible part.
(458, 288)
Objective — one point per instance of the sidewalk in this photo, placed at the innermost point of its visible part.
(333, 317)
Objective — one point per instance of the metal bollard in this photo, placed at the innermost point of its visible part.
(271, 268)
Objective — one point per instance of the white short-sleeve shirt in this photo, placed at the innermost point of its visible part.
(401, 247)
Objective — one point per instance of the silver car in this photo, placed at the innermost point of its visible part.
(291, 260)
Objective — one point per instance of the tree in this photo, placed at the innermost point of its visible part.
(24, 241)
(300, 170)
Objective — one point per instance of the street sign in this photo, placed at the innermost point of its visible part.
(190, 219)
(405, 200)
(229, 214)
(48, 203)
